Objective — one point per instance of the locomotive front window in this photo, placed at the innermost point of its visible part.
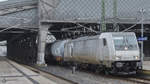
(125, 42)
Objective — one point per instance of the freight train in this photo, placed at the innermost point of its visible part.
(116, 52)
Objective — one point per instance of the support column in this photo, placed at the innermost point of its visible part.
(42, 44)
(103, 11)
(115, 11)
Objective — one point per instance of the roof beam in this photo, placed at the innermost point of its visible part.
(18, 4)
(14, 10)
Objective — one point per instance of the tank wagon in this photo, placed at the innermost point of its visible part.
(117, 52)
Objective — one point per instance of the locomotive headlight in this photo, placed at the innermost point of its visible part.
(118, 58)
(136, 57)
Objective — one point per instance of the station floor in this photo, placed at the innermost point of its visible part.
(13, 73)
(146, 65)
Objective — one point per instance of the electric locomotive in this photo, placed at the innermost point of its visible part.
(117, 52)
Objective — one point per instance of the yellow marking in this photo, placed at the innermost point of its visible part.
(146, 72)
(58, 58)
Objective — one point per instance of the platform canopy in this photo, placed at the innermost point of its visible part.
(19, 14)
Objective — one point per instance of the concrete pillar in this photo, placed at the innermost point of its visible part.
(41, 44)
(103, 14)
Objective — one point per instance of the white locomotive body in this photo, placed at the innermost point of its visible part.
(117, 51)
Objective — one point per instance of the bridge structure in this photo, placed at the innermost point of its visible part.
(25, 24)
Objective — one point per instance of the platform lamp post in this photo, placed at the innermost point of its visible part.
(142, 33)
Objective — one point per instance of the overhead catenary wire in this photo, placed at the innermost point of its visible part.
(132, 26)
(86, 27)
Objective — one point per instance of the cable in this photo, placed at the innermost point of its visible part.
(86, 27)
(132, 26)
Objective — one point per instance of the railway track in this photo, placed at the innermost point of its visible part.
(140, 78)
(136, 79)
(58, 79)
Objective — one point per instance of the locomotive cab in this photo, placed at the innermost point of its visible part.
(124, 53)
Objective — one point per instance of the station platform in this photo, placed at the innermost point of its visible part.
(146, 65)
(13, 73)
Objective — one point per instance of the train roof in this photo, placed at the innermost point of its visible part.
(118, 33)
(106, 33)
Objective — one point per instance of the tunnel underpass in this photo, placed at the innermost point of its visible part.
(21, 45)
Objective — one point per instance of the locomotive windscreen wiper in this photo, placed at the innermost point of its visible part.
(127, 43)
(130, 43)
